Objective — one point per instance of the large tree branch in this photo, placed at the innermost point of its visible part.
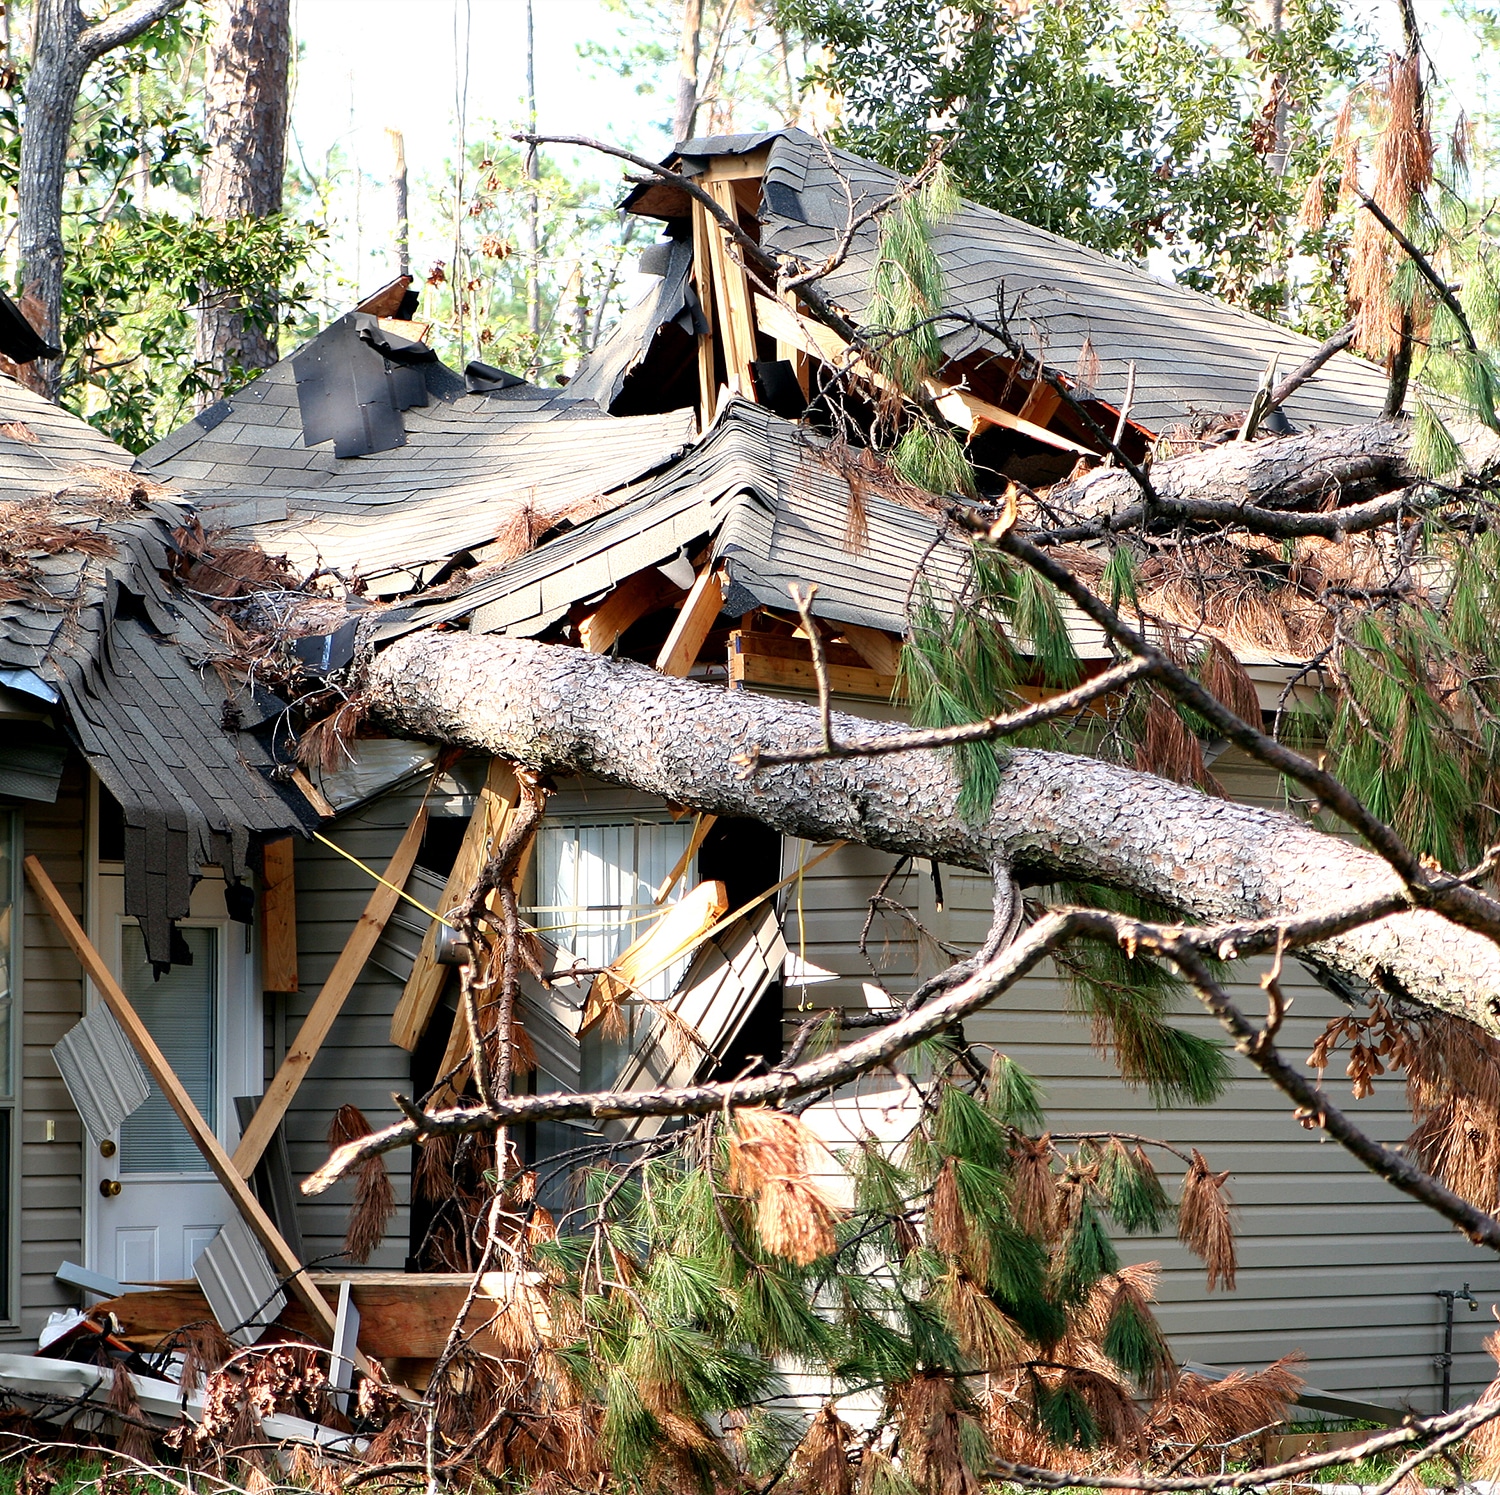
(123, 27)
(1054, 815)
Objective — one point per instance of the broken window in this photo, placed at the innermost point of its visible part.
(595, 890)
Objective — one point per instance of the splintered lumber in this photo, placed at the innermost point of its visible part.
(637, 596)
(708, 398)
(701, 827)
(665, 941)
(497, 801)
(1041, 402)
(695, 621)
(283, 1259)
(278, 917)
(455, 1054)
(330, 1002)
(732, 293)
(973, 414)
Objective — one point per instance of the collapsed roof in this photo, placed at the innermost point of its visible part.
(91, 620)
(480, 499)
(1086, 316)
(362, 453)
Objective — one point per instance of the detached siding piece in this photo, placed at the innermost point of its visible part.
(1332, 1261)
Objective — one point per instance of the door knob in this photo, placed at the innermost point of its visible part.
(109, 1187)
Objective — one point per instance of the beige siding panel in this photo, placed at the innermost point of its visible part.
(51, 1173)
(1332, 1261)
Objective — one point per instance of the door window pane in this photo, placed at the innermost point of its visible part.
(181, 1012)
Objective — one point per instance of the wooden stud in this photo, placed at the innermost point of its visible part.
(1041, 403)
(312, 794)
(701, 827)
(283, 1258)
(708, 389)
(968, 410)
(695, 621)
(878, 650)
(635, 597)
(732, 293)
(278, 916)
(424, 986)
(330, 1001)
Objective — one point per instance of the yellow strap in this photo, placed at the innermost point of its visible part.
(399, 892)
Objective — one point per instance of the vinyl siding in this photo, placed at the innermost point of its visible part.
(1333, 1262)
(51, 1173)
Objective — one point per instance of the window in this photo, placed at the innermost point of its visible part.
(10, 1008)
(181, 1010)
(595, 890)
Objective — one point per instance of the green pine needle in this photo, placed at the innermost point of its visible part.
(1065, 1418)
(1434, 452)
(1087, 1254)
(1133, 1340)
(931, 458)
(1132, 1190)
(965, 1129)
(1013, 1095)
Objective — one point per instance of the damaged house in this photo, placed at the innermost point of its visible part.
(244, 900)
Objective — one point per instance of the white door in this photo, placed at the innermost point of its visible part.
(205, 1017)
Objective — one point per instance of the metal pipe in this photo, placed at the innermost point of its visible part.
(1444, 1361)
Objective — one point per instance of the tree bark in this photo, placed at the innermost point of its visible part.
(685, 111)
(63, 48)
(1056, 815)
(246, 114)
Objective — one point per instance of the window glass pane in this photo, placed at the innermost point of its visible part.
(181, 1012)
(595, 883)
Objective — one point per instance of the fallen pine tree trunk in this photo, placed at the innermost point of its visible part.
(1055, 815)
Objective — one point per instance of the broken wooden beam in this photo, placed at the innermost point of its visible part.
(695, 621)
(636, 597)
(330, 1001)
(492, 810)
(766, 659)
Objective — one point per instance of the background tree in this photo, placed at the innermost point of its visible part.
(1117, 127)
(63, 48)
(245, 123)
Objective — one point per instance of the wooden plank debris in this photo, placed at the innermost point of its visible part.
(663, 942)
(492, 811)
(765, 659)
(330, 1001)
(701, 827)
(282, 1258)
(732, 295)
(695, 621)
(708, 390)
(278, 917)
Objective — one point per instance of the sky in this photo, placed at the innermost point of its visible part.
(366, 66)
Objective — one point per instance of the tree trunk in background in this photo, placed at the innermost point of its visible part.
(245, 115)
(687, 71)
(63, 47)
(1056, 815)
